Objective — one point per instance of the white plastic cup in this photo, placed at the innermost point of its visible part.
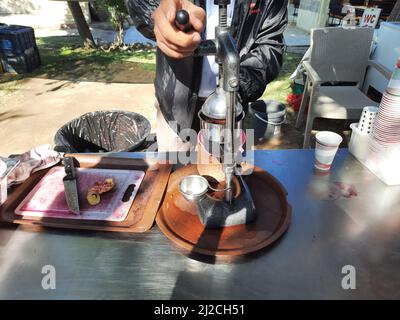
(326, 146)
(3, 182)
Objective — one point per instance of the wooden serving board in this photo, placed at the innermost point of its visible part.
(142, 211)
(178, 220)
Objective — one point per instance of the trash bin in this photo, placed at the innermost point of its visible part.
(268, 116)
(103, 131)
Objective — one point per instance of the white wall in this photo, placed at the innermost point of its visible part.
(38, 13)
(387, 52)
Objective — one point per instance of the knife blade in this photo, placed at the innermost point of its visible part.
(70, 185)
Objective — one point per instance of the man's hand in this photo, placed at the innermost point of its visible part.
(172, 41)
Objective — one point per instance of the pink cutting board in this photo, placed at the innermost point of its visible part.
(47, 199)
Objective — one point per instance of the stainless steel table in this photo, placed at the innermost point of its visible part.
(324, 236)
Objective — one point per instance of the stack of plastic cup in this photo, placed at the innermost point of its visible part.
(3, 182)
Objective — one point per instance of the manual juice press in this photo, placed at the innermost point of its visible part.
(221, 119)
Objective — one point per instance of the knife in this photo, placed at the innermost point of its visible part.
(70, 186)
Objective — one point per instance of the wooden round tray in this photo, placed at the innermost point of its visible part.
(179, 222)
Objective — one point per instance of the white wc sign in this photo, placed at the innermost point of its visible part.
(370, 18)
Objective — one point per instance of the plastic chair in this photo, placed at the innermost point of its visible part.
(337, 55)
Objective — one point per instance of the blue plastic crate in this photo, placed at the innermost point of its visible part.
(16, 39)
(23, 63)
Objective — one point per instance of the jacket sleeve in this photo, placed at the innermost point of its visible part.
(262, 63)
(141, 13)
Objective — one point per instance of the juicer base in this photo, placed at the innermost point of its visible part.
(178, 220)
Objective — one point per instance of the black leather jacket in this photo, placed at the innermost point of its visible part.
(258, 27)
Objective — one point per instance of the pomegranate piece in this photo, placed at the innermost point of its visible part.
(93, 194)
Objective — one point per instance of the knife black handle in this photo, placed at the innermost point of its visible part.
(182, 20)
(69, 168)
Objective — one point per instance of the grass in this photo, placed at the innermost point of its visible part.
(9, 86)
(281, 87)
(71, 50)
(65, 58)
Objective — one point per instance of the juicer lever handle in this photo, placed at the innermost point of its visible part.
(182, 20)
(206, 47)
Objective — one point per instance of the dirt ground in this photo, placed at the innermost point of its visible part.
(73, 80)
(33, 111)
(122, 72)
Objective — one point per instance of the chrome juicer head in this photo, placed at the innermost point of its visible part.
(215, 105)
(213, 118)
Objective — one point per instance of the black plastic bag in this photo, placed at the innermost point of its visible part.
(103, 131)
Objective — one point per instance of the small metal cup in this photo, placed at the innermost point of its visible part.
(193, 187)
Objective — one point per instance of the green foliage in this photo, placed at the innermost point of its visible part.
(117, 5)
(118, 13)
(116, 9)
(281, 87)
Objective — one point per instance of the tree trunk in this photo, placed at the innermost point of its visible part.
(81, 24)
